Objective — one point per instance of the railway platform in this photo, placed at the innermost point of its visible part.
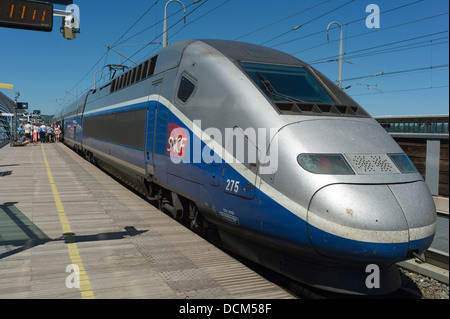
(68, 230)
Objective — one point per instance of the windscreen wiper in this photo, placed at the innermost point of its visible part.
(271, 90)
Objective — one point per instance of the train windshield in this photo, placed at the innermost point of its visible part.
(287, 83)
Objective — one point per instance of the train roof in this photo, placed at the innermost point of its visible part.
(237, 52)
(246, 52)
(234, 50)
(170, 56)
(242, 51)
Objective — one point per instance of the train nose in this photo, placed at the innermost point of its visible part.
(376, 223)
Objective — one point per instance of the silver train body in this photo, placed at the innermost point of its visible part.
(257, 144)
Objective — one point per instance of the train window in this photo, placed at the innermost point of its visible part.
(185, 89)
(124, 80)
(144, 70)
(151, 69)
(128, 78)
(138, 73)
(133, 76)
(332, 164)
(287, 83)
(403, 163)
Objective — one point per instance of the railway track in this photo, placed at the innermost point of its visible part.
(438, 257)
(435, 263)
(413, 286)
(408, 289)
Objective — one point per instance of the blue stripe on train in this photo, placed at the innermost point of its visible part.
(255, 211)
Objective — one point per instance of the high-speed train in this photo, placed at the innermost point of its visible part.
(264, 150)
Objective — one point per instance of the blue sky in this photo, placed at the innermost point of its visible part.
(410, 47)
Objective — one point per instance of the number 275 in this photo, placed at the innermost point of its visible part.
(232, 185)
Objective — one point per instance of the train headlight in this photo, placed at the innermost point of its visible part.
(403, 163)
(333, 164)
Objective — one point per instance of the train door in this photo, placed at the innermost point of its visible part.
(268, 197)
(160, 138)
(152, 108)
(239, 203)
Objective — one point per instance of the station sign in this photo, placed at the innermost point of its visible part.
(31, 15)
(22, 105)
(6, 86)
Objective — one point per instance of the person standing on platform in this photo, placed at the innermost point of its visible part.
(57, 133)
(49, 137)
(35, 132)
(42, 132)
(27, 129)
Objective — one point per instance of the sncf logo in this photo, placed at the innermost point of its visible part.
(176, 141)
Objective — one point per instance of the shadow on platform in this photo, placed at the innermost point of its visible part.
(18, 233)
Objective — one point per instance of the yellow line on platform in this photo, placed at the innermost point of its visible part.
(83, 280)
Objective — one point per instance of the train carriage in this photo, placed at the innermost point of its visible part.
(263, 148)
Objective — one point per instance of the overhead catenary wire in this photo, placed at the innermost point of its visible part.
(279, 21)
(160, 21)
(118, 43)
(383, 48)
(131, 27)
(401, 71)
(107, 51)
(136, 22)
(375, 31)
(346, 24)
(361, 51)
(203, 15)
(309, 21)
(428, 43)
(403, 90)
(156, 37)
(187, 24)
(392, 73)
(156, 23)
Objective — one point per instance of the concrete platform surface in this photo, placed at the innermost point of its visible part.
(68, 230)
